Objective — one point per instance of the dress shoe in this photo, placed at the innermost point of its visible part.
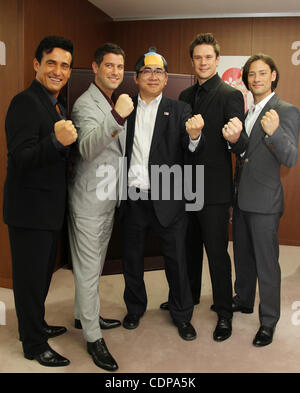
(223, 329)
(49, 358)
(131, 321)
(186, 330)
(54, 331)
(104, 323)
(101, 356)
(235, 307)
(238, 307)
(165, 306)
(51, 331)
(264, 336)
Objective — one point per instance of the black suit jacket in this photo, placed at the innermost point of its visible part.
(169, 143)
(35, 186)
(223, 103)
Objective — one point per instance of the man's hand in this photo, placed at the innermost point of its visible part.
(270, 122)
(232, 130)
(124, 105)
(65, 132)
(194, 126)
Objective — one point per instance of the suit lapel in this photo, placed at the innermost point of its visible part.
(161, 122)
(99, 99)
(105, 107)
(45, 101)
(257, 132)
(130, 131)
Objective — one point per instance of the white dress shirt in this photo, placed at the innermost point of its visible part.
(138, 175)
(253, 113)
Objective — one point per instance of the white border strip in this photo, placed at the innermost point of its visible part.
(211, 16)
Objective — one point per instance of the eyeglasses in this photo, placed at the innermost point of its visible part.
(149, 71)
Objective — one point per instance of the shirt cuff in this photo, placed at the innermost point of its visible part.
(194, 143)
(120, 120)
(59, 146)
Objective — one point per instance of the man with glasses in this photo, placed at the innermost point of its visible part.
(159, 131)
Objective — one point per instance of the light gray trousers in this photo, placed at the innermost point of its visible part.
(89, 238)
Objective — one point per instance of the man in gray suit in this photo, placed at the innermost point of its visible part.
(93, 192)
(272, 126)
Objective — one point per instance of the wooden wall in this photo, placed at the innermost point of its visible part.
(23, 23)
(11, 82)
(237, 36)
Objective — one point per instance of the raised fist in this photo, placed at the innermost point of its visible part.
(270, 122)
(65, 132)
(194, 126)
(124, 105)
(232, 130)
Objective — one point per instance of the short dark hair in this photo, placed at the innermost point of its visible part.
(49, 43)
(205, 38)
(266, 59)
(107, 48)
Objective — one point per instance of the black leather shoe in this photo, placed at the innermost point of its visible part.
(235, 307)
(131, 321)
(264, 336)
(101, 356)
(54, 331)
(223, 329)
(49, 358)
(104, 323)
(186, 330)
(165, 306)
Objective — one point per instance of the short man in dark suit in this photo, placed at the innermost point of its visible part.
(159, 131)
(218, 103)
(38, 136)
(273, 127)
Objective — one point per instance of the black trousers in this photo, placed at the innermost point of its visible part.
(209, 228)
(139, 216)
(33, 259)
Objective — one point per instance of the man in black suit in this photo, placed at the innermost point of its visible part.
(159, 131)
(219, 104)
(38, 136)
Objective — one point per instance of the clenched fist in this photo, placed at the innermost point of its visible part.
(194, 126)
(124, 105)
(65, 132)
(270, 122)
(232, 130)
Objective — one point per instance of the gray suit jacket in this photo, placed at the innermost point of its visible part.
(100, 144)
(259, 185)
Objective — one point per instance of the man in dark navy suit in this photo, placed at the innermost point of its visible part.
(159, 132)
(38, 136)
